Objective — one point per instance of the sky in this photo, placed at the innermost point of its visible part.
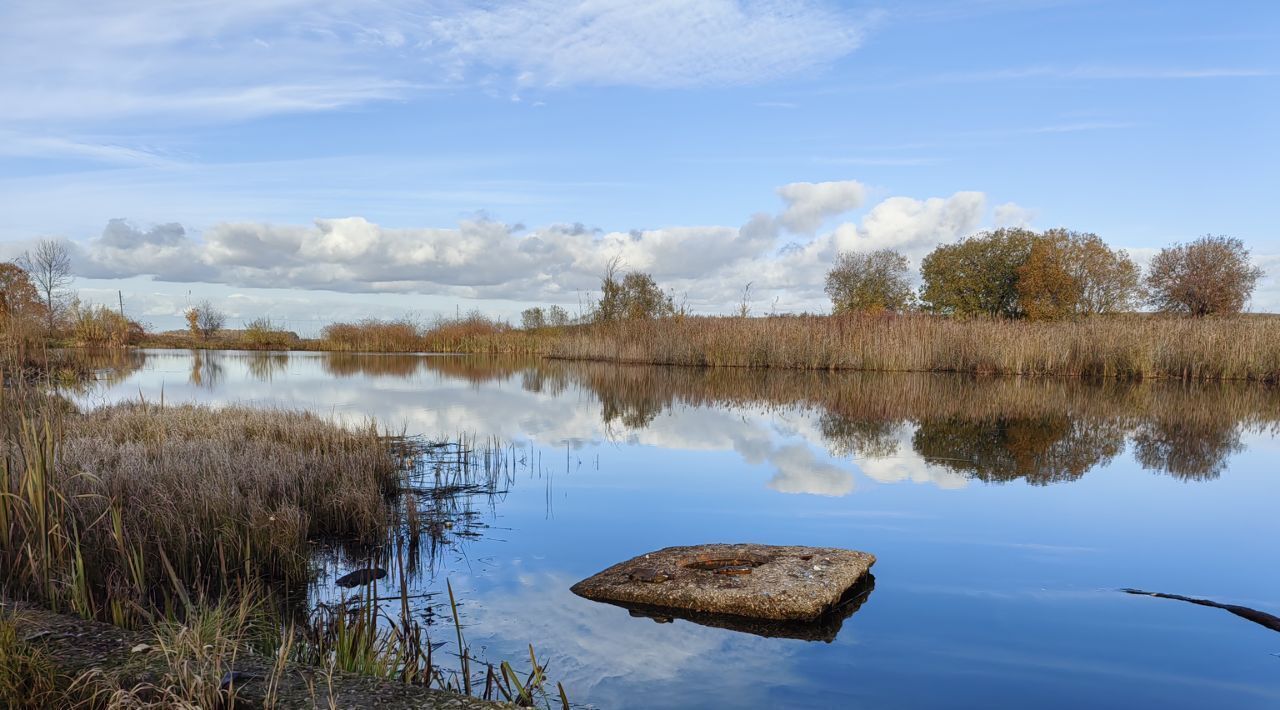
(319, 160)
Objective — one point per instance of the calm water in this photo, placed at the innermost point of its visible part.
(1005, 515)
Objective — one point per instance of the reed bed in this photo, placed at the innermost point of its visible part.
(1130, 347)
(199, 524)
(136, 500)
(472, 333)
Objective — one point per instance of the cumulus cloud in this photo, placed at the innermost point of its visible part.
(1013, 215)
(800, 471)
(485, 259)
(809, 204)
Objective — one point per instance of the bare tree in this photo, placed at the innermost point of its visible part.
(203, 320)
(557, 317)
(49, 267)
(1209, 276)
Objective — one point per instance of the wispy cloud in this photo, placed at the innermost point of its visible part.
(663, 43)
(25, 145)
(1082, 73)
(243, 58)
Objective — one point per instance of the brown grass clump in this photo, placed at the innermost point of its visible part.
(108, 513)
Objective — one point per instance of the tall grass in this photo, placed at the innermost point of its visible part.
(470, 333)
(1133, 347)
(103, 512)
(198, 523)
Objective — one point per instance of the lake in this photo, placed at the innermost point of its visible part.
(1006, 515)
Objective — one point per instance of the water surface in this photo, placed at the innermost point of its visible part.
(1005, 514)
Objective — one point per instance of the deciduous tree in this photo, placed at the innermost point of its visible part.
(978, 275)
(1212, 275)
(635, 296)
(203, 320)
(1073, 273)
(49, 266)
(869, 282)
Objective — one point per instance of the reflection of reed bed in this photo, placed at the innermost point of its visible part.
(901, 397)
(1123, 347)
(342, 364)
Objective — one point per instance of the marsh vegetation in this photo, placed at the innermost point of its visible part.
(202, 525)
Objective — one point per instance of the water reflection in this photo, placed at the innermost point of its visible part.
(825, 628)
(941, 429)
(1040, 450)
(1018, 506)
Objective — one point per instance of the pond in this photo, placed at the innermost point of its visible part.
(1006, 515)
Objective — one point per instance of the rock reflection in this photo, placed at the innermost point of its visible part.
(824, 629)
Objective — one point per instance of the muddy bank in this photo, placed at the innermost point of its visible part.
(76, 646)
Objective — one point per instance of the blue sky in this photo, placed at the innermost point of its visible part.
(307, 161)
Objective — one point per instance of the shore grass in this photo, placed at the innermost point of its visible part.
(197, 525)
(136, 500)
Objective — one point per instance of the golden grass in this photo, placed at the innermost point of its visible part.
(107, 513)
(1132, 347)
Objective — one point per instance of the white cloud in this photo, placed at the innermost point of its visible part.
(809, 204)
(1011, 214)
(485, 259)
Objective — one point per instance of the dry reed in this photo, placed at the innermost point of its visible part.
(1133, 347)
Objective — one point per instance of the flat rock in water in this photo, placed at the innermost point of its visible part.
(784, 583)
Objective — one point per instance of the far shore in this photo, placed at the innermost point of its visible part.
(1134, 346)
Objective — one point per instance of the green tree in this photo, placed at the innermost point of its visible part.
(635, 296)
(533, 318)
(1212, 275)
(977, 275)
(869, 282)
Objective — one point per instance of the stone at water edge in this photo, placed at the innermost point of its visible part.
(360, 577)
(786, 583)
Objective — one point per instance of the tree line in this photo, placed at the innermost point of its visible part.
(1055, 274)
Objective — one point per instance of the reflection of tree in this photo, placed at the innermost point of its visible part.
(544, 381)
(871, 438)
(1041, 450)
(263, 366)
(1190, 450)
(206, 370)
(632, 412)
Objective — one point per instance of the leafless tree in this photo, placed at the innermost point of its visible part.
(203, 320)
(49, 266)
(1209, 276)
